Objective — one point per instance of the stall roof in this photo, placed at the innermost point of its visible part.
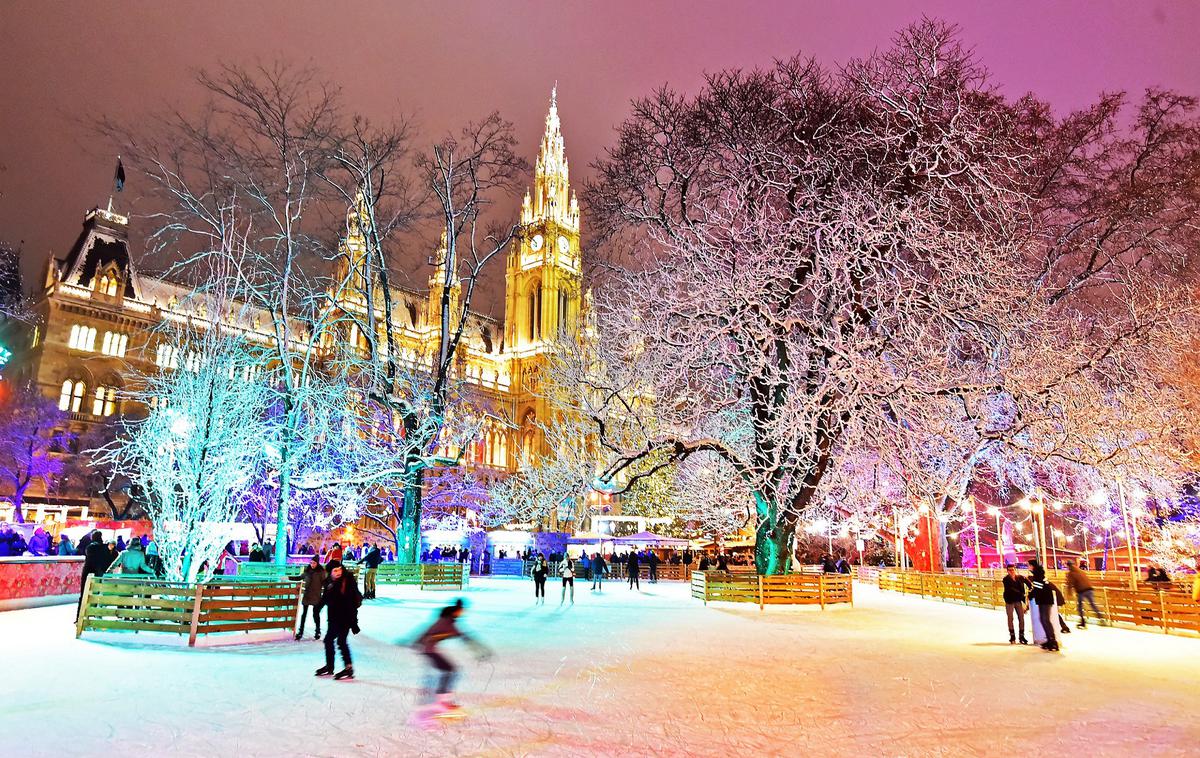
(650, 538)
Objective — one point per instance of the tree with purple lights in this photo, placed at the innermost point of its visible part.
(32, 432)
(888, 260)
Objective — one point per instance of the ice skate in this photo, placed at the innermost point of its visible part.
(346, 673)
(325, 671)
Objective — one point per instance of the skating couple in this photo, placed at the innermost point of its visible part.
(566, 570)
(1044, 600)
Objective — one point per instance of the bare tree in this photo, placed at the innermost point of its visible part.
(190, 452)
(861, 262)
(423, 394)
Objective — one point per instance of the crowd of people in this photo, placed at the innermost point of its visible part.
(446, 553)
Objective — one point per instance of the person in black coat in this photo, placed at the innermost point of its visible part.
(371, 560)
(652, 559)
(341, 599)
(96, 560)
(1016, 588)
(632, 566)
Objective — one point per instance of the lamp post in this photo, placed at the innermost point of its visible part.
(1133, 573)
(1038, 526)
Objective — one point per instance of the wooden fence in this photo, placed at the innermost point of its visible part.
(668, 571)
(783, 589)
(119, 603)
(428, 576)
(432, 576)
(1166, 610)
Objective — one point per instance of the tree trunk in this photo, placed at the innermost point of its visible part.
(19, 503)
(773, 538)
(408, 536)
(281, 513)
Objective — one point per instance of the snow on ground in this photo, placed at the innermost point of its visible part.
(622, 673)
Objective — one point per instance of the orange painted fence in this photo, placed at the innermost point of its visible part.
(1164, 610)
(783, 589)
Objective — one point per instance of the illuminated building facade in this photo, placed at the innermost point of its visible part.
(98, 317)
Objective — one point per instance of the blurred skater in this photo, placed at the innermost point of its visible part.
(633, 568)
(445, 628)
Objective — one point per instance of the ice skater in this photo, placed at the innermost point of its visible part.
(598, 569)
(566, 569)
(540, 569)
(343, 599)
(313, 580)
(1078, 582)
(445, 628)
(631, 565)
(1041, 608)
(1016, 587)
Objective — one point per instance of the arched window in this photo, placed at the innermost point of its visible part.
(71, 397)
(535, 312)
(114, 344)
(166, 356)
(105, 402)
(82, 337)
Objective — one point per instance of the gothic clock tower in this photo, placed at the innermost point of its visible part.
(543, 274)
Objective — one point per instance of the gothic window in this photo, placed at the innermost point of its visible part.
(82, 337)
(105, 402)
(535, 312)
(114, 344)
(167, 356)
(358, 339)
(71, 397)
(107, 285)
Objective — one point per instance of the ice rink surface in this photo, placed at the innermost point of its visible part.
(622, 673)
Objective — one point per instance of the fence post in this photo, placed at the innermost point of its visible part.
(760, 593)
(1162, 610)
(821, 589)
(195, 615)
(1107, 610)
(85, 603)
(299, 602)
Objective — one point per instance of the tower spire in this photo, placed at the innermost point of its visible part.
(551, 198)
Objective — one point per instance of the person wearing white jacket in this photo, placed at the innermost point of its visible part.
(566, 569)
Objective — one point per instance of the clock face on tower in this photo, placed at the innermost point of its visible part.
(535, 244)
(563, 244)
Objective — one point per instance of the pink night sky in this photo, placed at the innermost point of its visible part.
(448, 62)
